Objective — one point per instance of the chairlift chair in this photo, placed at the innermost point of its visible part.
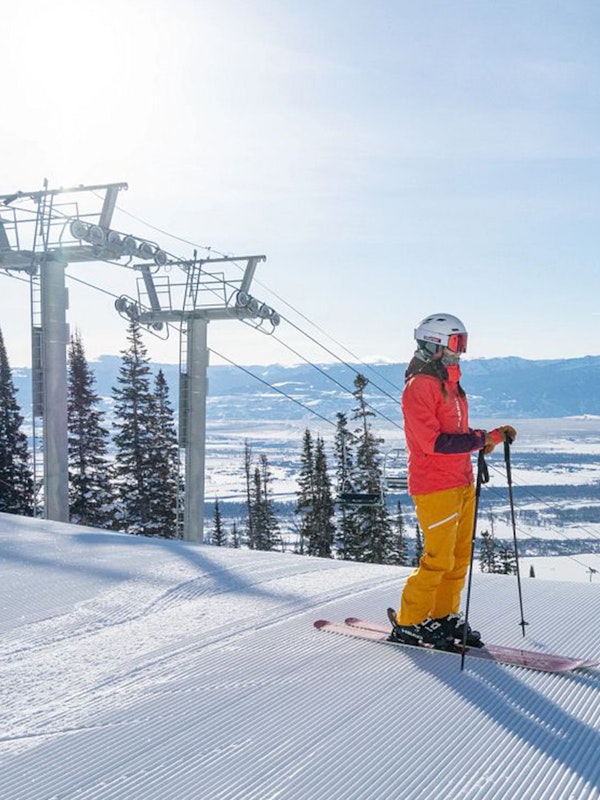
(395, 473)
(348, 496)
(358, 499)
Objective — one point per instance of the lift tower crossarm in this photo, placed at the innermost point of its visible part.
(6, 199)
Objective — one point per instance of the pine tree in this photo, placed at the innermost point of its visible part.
(315, 503)
(269, 515)
(344, 454)
(322, 528)
(259, 539)
(300, 543)
(164, 484)
(487, 553)
(219, 537)
(91, 500)
(346, 531)
(531, 571)
(134, 438)
(507, 560)
(236, 541)
(372, 539)
(418, 546)
(305, 497)
(323, 533)
(399, 550)
(16, 479)
(249, 504)
(265, 523)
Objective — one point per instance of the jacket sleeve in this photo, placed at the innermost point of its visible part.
(419, 402)
(474, 439)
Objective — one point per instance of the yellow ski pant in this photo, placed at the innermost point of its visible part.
(433, 589)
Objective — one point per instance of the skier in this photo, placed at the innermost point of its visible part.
(440, 481)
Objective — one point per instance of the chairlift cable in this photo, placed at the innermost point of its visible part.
(341, 360)
(339, 344)
(552, 528)
(524, 485)
(281, 299)
(274, 388)
(247, 371)
(334, 380)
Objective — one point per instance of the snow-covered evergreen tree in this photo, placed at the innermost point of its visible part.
(134, 438)
(16, 479)
(346, 532)
(372, 529)
(91, 500)
(164, 483)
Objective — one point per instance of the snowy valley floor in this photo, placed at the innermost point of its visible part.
(139, 669)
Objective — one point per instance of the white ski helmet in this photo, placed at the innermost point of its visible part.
(442, 330)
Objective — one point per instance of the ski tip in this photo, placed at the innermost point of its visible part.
(320, 623)
(589, 664)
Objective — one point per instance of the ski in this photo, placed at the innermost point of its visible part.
(528, 659)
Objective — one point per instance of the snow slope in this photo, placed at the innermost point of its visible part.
(141, 669)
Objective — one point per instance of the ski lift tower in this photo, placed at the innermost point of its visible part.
(36, 240)
(202, 295)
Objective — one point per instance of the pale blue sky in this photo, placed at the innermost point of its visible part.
(391, 159)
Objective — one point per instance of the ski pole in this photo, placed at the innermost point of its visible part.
(507, 444)
(483, 476)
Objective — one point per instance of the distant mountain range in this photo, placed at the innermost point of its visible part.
(497, 387)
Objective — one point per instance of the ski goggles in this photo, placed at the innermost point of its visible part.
(457, 342)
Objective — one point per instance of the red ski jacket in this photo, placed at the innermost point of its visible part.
(438, 438)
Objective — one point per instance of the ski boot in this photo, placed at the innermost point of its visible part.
(429, 633)
(453, 626)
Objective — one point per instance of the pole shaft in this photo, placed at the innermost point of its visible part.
(514, 526)
(482, 477)
(53, 295)
(196, 390)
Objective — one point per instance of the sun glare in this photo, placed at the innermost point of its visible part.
(85, 78)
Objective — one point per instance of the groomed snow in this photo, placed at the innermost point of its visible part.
(141, 669)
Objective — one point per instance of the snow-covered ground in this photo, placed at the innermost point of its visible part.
(580, 567)
(141, 669)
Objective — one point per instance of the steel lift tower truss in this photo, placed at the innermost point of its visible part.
(35, 239)
(40, 234)
(190, 297)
